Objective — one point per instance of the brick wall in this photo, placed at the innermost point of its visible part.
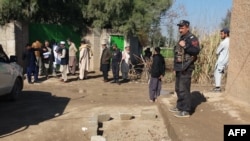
(13, 37)
(7, 38)
(238, 79)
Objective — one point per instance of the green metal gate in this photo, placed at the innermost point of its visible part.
(118, 40)
(44, 32)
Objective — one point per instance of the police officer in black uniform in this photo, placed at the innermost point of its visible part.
(116, 59)
(185, 54)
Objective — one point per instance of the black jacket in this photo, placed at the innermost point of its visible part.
(158, 67)
(192, 48)
(29, 58)
(116, 56)
(65, 60)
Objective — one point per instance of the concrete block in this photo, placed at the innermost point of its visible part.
(103, 117)
(91, 126)
(97, 138)
(125, 116)
(92, 131)
(148, 114)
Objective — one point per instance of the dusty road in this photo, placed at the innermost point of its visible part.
(52, 110)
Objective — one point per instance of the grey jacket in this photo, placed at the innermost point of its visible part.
(106, 55)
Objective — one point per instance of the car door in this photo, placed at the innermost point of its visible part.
(5, 74)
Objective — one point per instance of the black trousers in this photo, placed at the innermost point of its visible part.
(105, 69)
(182, 88)
(32, 70)
(115, 70)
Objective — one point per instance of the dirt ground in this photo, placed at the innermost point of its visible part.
(53, 110)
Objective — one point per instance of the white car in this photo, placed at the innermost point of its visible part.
(11, 76)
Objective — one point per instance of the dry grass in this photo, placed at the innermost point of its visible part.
(206, 59)
(203, 73)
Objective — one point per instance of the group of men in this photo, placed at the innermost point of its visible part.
(118, 60)
(42, 59)
(185, 54)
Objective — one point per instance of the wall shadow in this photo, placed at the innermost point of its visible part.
(196, 99)
(32, 108)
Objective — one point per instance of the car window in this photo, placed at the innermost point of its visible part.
(3, 57)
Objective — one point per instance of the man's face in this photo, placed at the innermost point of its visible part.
(69, 43)
(127, 49)
(103, 45)
(46, 43)
(183, 30)
(62, 45)
(223, 35)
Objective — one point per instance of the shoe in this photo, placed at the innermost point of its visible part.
(105, 80)
(182, 114)
(30, 82)
(151, 101)
(174, 110)
(217, 89)
(79, 79)
(118, 82)
(113, 81)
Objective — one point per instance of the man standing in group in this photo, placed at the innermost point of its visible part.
(105, 61)
(72, 57)
(185, 54)
(37, 46)
(56, 59)
(64, 61)
(84, 59)
(125, 63)
(157, 72)
(116, 59)
(30, 63)
(222, 61)
(46, 58)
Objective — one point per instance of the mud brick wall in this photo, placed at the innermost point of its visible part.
(13, 37)
(238, 80)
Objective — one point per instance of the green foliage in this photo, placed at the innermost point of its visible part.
(42, 11)
(125, 16)
(17, 10)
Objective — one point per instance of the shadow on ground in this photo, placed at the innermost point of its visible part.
(31, 108)
(196, 99)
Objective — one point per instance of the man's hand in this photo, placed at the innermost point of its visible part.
(182, 43)
(161, 77)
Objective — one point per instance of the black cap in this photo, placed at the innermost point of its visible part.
(225, 30)
(183, 22)
(158, 49)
